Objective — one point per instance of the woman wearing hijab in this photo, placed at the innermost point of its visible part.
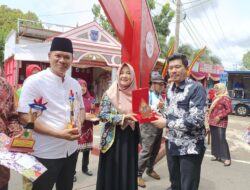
(218, 120)
(118, 161)
(32, 69)
(86, 140)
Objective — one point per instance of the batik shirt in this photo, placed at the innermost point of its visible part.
(8, 115)
(110, 118)
(185, 112)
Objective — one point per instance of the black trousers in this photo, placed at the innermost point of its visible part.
(60, 172)
(185, 171)
(4, 188)
(219, 145)
(85, 160)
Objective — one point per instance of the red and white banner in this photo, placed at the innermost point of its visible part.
(145, 48)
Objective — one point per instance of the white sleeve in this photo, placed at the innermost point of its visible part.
(28, 94)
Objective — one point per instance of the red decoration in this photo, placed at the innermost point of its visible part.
(132, 23)
(121, 22)
(71, 93)
(141, 107)
(39, 101)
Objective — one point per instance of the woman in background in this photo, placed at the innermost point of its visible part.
(86, 140)
(218, 120)
(30, 70)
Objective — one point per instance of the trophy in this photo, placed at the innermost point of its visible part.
(25, 142)
(71, 123)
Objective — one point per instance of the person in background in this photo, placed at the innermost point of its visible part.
(30, 70)
(238, 85)
(218, 120)
(54, 131)
(8, 123)
(163, 150)
(85, 142)
(210, 96)
(150, 135)
(238, 89)
(118, 161)
(185, 116)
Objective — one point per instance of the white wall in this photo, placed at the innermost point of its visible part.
(9, 46)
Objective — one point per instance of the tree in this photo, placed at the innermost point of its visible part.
(161, 22)
(8, 21)
(215, 60)
(206, 57)
(246, 60)
(187, 50)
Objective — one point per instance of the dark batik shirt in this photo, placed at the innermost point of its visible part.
(185, 112)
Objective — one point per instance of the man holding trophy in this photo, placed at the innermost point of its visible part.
(56, 130)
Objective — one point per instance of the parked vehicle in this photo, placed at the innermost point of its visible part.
(239, 90)
(241, 107)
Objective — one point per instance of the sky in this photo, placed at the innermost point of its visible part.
(223, 26)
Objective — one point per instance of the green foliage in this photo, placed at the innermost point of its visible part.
(151, 4)
(246, 60)
(161, 22)
(8, 21)
(206, 57)
(187, 50)
(215, 60)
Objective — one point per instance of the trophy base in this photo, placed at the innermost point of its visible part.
(19, 149)
(21, 145)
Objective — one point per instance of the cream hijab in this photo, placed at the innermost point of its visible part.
(221, 91)
(121, 96)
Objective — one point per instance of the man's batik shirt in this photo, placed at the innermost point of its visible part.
(185, 112)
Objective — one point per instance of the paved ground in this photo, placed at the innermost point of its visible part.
(214, 175)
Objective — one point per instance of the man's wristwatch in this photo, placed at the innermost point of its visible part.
(29, 126)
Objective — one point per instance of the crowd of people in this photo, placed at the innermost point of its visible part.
(181, 111)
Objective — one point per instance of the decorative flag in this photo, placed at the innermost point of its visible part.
(195, 59)
(165, 67)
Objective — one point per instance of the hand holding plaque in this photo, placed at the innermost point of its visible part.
(25, 142)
